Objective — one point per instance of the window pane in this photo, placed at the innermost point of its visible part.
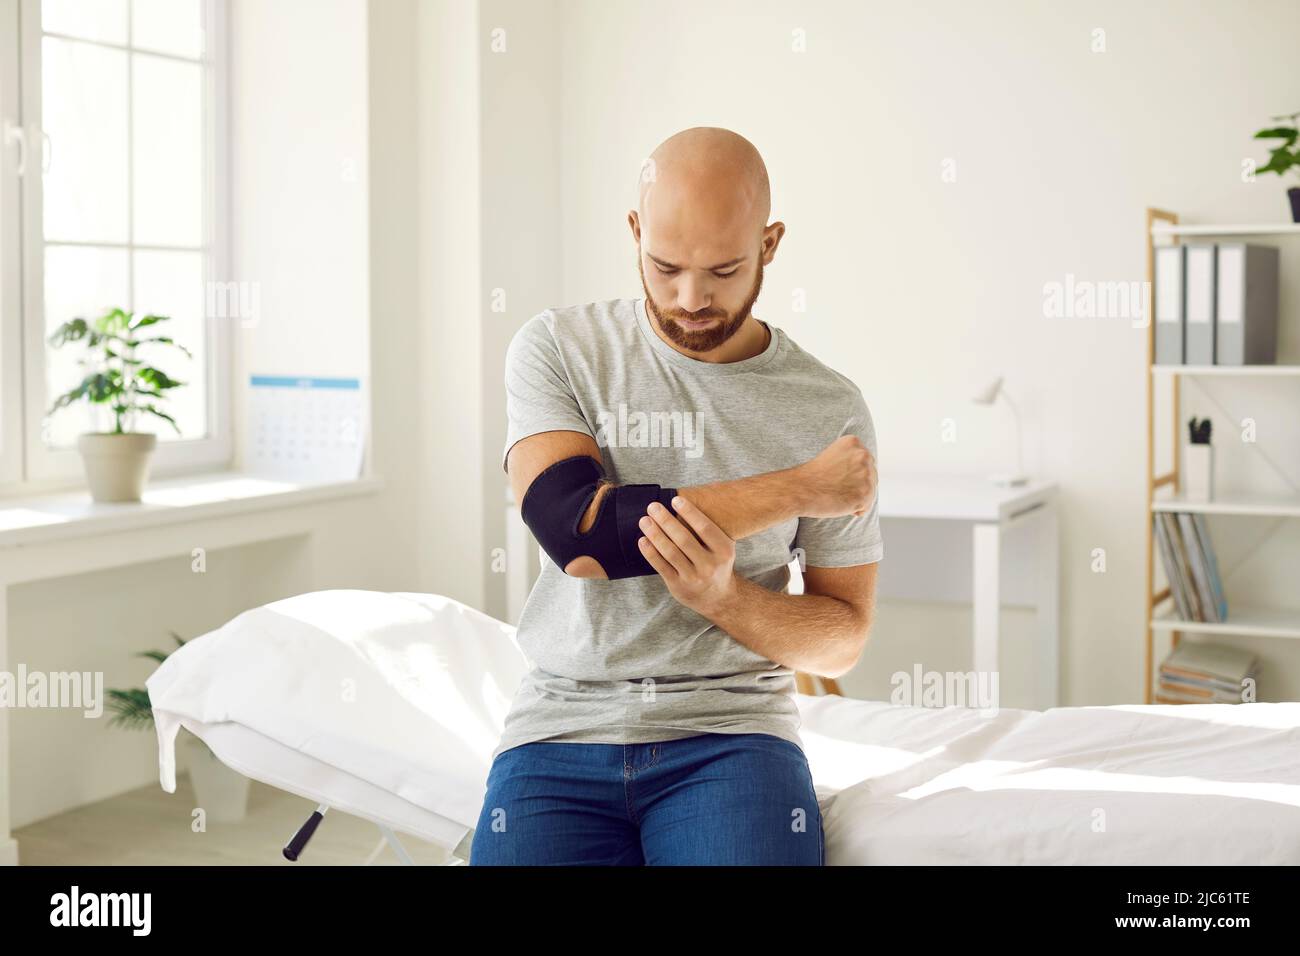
(171, 284)
(103, 20)
(83, 282)
(169, 26)
(168, 151)
(83, 91)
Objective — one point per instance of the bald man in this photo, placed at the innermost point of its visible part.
(674, 454)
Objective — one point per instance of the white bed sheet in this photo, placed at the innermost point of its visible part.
(1126, 784)
(405, 697)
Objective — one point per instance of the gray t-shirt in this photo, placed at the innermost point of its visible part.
(622, 661)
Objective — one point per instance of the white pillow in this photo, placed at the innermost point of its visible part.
(406, 692)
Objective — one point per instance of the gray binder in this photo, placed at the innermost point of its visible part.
(1246, 304)
(1198, 305)
(1169, 305)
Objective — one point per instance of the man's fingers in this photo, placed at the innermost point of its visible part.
(714, 537)
(655, 559)
(660, 541)
(680, 534)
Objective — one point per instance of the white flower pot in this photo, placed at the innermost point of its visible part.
(117, 465)
(1198, 472)
(222, 793)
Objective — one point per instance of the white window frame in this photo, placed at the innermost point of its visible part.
(46, 467)
(11, 352)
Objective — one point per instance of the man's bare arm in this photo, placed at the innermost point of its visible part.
(830, 485)
(821, 631)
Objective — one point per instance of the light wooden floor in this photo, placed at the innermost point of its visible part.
(150, 826)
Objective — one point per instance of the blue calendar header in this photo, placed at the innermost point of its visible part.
(288, 381)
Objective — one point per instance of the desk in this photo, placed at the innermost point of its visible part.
(967, 539)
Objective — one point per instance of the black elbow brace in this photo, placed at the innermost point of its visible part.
(558, 498)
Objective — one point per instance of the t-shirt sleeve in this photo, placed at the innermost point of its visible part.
(849, 540)
(539, 395)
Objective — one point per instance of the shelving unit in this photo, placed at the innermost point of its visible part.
(1172, 228)
(1245, 620)
(1260, 506)
(1236, 371)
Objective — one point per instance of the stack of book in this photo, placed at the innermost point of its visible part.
(1205, 674)
(1191, 567)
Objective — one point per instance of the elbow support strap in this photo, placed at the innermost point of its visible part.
(558, 498)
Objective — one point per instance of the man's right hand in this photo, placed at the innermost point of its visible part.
(840, 481)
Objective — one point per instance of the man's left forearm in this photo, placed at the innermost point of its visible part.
(806, 632)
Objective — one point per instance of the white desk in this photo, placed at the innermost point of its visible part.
(966, 539)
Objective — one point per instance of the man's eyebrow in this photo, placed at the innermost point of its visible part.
(721, 265)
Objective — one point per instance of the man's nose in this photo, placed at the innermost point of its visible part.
(692, 296)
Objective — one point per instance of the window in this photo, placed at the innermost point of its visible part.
(117, 167)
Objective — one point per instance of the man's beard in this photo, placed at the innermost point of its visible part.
(702, 340)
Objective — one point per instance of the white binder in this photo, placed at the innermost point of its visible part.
(1169, 305)
(1198, 296)
(1246, 305)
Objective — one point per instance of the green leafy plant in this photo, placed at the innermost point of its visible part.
(116, 376)
(132, 708)
(1286, 156)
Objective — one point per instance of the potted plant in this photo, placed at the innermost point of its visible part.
(1284, 157)
(220, 791)
(117, 462)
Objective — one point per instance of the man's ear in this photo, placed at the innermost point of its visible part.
(635, 224)
(771, 239)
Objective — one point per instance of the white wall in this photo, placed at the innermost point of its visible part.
(522, 211)
(489, 209)
(300, 169)
(918, 288)
(448, 441)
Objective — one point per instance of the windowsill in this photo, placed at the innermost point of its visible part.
(67, 515)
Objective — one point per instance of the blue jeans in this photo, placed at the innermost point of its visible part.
(710, 799)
